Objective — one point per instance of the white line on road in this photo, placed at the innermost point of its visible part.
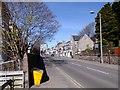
(70, 78)
(97, 70)
(77, 64)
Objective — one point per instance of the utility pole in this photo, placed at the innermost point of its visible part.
(101, 50)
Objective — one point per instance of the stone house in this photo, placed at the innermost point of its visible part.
(85, 42)
(79, 44)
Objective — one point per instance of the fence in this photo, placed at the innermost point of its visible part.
(17, 76)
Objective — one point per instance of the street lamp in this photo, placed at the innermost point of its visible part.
(101, 50)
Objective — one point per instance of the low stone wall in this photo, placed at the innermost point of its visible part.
(112, 59)
(12, 65)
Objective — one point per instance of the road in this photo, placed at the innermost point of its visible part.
(81, 74)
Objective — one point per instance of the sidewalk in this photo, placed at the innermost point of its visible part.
(57, 79)
(112, 66)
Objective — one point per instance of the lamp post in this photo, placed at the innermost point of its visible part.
(101, 50)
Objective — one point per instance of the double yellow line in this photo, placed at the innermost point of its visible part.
(78, 85)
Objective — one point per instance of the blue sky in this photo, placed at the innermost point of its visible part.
(73, 16)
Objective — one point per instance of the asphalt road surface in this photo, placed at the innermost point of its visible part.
(82, 74)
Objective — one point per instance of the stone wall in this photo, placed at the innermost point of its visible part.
(111, 59)
(13, 65)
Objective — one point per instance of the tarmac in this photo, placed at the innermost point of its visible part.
(59, 80)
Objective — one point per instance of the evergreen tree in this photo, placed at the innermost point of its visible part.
(116, 9)
(109, 25)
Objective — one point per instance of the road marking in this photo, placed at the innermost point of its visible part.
(97, 70)
(77, 64)
(70, 78)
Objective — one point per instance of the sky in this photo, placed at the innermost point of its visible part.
(73, 17)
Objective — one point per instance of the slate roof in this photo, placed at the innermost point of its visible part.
(75, 37)
(59, 43)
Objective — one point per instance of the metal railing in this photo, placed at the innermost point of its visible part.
(10, 83)
(8, 76)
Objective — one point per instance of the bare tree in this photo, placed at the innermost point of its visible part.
(31, 21)
(89, 30)
(11, 42)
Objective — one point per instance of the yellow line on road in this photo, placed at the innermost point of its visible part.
(70, 78)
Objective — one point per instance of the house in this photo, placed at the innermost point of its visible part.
(43, 48)
(63, 49)
(74, 41)
(85, 42)
(68, 49)
(79, 44)
(60, 49)
(51, 51)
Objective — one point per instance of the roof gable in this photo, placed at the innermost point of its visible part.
(75, 37)
(85, 35)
